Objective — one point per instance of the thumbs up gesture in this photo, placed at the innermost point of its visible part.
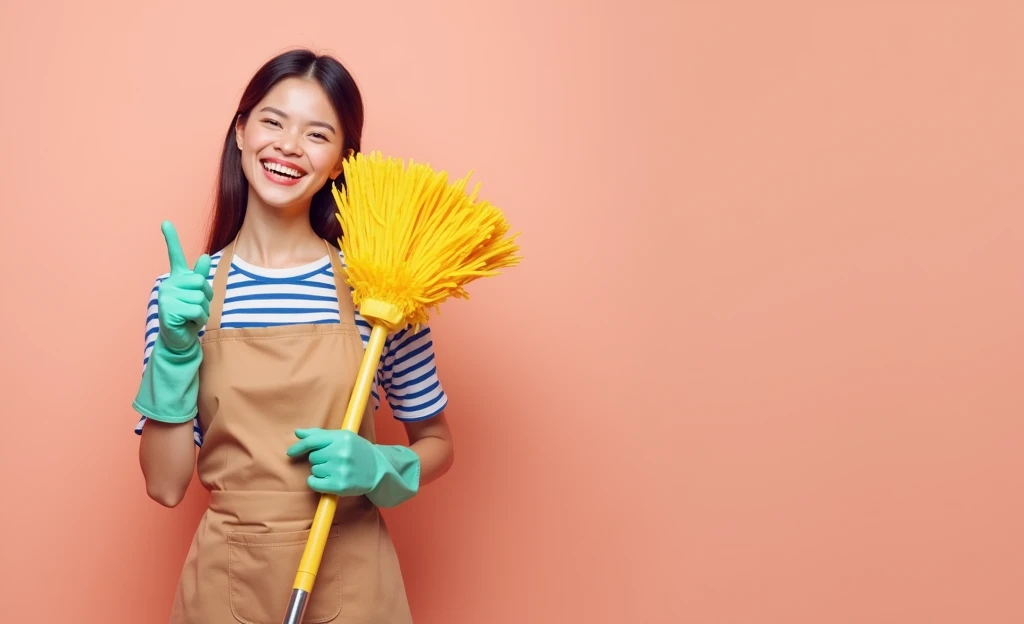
(183, 299)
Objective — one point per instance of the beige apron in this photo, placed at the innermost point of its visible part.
(256, 386)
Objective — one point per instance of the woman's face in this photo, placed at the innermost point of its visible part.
(291, 144)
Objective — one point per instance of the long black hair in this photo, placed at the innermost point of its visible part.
(232, 186)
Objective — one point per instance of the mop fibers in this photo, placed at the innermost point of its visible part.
(413, 240)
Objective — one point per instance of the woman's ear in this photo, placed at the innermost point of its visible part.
(239, 130)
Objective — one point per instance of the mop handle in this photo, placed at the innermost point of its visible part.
(309, 565)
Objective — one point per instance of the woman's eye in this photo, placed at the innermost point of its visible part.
(319, 136)
(272, 122)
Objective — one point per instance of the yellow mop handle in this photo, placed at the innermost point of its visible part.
(310, 562)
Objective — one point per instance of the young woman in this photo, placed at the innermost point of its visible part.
(251, 355)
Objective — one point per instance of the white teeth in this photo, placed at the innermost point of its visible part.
(276, 168)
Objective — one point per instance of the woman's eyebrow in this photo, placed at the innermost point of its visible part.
(323, 124)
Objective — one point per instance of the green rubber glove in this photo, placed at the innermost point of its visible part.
(170, 384)
(345, 464)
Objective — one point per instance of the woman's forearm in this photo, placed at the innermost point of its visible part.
(436, 457)
(167, 456)
(431, 440)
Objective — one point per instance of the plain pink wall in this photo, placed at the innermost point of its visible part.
(762, 362)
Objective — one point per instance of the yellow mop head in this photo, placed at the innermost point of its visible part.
(411, 239)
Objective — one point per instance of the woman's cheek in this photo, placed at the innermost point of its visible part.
(323, 159)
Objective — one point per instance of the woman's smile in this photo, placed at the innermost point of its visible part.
(282, 172)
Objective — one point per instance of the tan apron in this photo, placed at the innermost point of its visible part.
(256, 386)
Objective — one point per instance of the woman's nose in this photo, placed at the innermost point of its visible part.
(289, 143)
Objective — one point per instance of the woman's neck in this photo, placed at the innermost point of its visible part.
(276, 239)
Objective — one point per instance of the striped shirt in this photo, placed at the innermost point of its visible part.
(261, 297)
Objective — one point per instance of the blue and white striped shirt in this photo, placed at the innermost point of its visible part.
(261, 297)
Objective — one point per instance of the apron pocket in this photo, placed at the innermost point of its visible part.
(261, 573)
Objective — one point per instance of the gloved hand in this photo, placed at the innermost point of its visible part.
(183, 300)
(346, 464)
(170, 384)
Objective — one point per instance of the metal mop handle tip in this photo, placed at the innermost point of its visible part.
(296, 607)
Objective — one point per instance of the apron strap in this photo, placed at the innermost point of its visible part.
(346, 307)
(220, 286)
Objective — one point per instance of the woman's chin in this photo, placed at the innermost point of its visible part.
(283, 198)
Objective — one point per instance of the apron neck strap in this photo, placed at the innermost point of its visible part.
(346, 307)
(220, 285)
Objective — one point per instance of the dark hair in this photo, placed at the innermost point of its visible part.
(232, 186)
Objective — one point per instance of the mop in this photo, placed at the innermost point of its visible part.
(411, 240)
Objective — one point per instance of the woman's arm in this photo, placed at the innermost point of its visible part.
(179, 307)
(346, 464)
(431, 440)
(167, 456)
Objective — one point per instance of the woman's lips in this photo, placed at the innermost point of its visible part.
(282, 172)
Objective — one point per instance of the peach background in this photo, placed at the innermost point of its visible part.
(763, 363)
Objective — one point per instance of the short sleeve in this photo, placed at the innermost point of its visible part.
(152, 329)
(408, 375)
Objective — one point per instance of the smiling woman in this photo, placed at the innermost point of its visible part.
(251, 355)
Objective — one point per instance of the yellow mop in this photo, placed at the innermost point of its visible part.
(411, 240)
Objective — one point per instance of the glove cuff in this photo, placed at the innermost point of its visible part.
(169, 390)
(398, 472)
